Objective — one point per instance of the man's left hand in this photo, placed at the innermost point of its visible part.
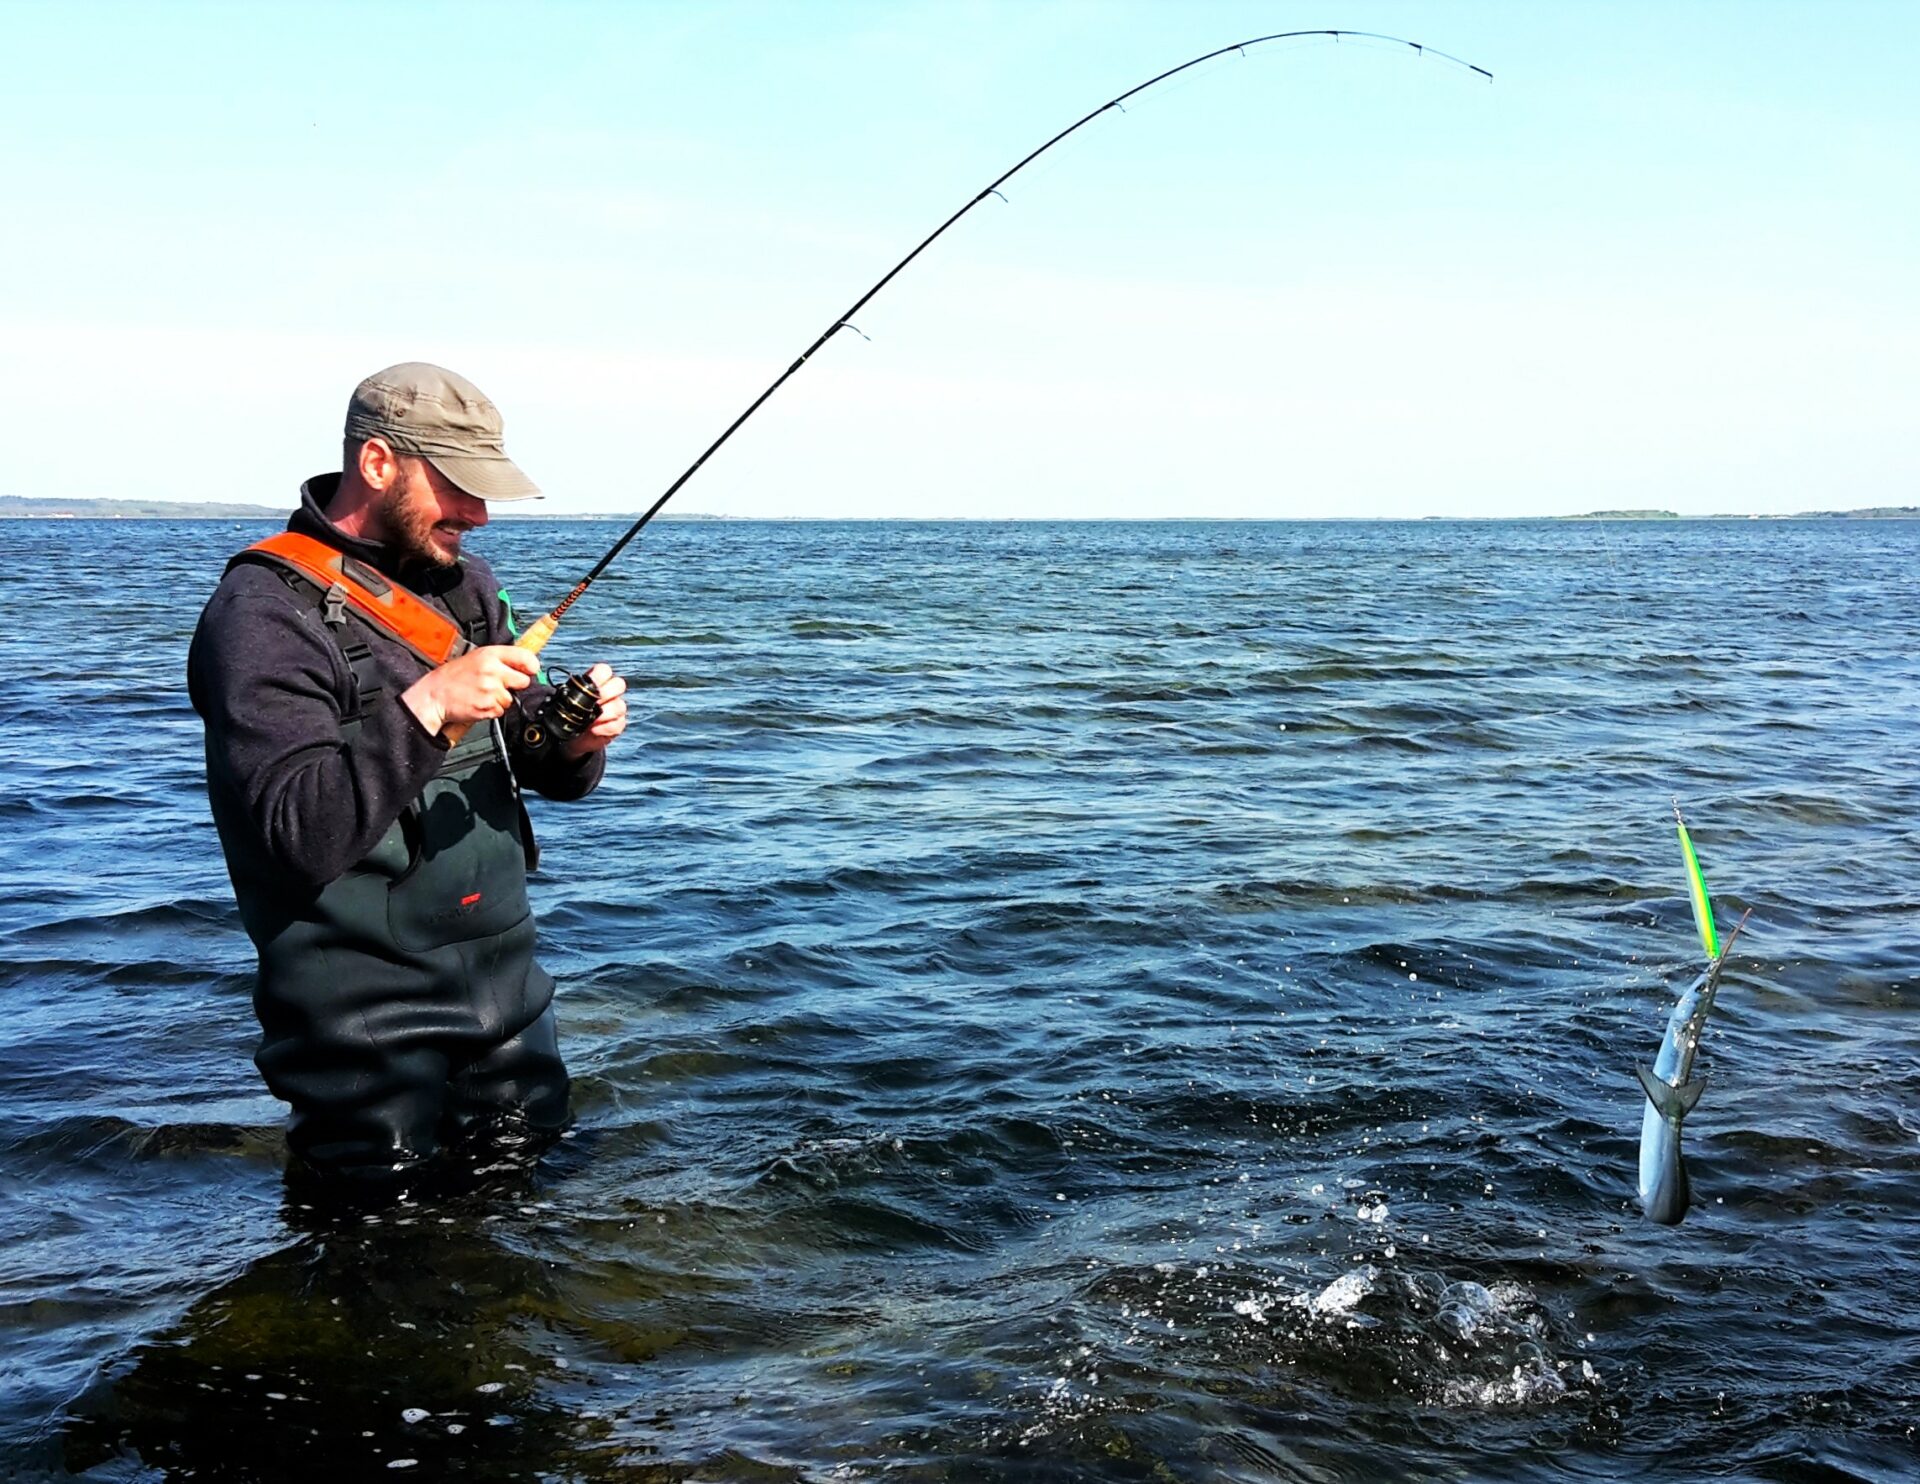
(613, 715)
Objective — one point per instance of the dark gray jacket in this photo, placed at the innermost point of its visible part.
(306, 801)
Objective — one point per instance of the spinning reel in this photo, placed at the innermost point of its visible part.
(567, 713)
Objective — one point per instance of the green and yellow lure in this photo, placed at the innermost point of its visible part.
(1697, 890)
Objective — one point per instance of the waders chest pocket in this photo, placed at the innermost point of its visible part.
(468, 876)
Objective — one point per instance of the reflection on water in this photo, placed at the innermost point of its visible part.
(394, 1339)
(1047, 1003)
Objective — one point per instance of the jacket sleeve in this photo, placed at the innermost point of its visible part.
(549, 775)
(272, 687)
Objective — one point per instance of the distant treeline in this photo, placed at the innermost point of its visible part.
(1871, 512)
(20, 507)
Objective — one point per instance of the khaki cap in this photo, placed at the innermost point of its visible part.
(444, 419)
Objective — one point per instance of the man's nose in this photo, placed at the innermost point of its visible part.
(473, 509)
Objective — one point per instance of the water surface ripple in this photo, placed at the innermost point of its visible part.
(1048, 1002)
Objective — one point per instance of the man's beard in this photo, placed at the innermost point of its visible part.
(410, 529)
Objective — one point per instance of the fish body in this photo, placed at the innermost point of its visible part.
(1671, 1093)
(1670, 1086)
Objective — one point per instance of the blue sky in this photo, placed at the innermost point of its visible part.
(1666, 259)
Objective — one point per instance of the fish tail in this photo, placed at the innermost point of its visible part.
(1674, 1103)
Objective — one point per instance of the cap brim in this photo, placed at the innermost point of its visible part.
(490, 479)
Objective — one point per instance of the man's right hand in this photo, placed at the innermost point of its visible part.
(477, 686)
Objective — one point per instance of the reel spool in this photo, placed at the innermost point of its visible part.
(567, 713)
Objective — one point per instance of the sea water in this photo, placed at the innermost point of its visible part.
(1047, 1002)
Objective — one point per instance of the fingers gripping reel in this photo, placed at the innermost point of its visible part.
(575, 703)
(566, 714)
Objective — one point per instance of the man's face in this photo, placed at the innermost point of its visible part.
(426, 514)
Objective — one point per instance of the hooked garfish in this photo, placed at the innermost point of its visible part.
(1669, 1084)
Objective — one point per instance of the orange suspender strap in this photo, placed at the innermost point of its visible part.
(386, 605)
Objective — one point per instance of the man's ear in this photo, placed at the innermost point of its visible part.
(379, 465)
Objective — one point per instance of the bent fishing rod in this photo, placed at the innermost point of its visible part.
(541, 629)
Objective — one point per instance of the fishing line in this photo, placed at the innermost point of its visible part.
(1617, 591)
(541, 629)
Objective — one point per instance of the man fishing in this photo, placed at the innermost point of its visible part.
(367, 738)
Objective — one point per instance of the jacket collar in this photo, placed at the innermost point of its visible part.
(311, 519)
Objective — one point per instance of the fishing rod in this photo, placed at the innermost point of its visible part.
(541, 629)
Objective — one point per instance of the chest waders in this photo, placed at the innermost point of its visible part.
(400, 1004)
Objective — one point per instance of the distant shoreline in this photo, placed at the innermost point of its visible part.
(21, 507)
(16, 507)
